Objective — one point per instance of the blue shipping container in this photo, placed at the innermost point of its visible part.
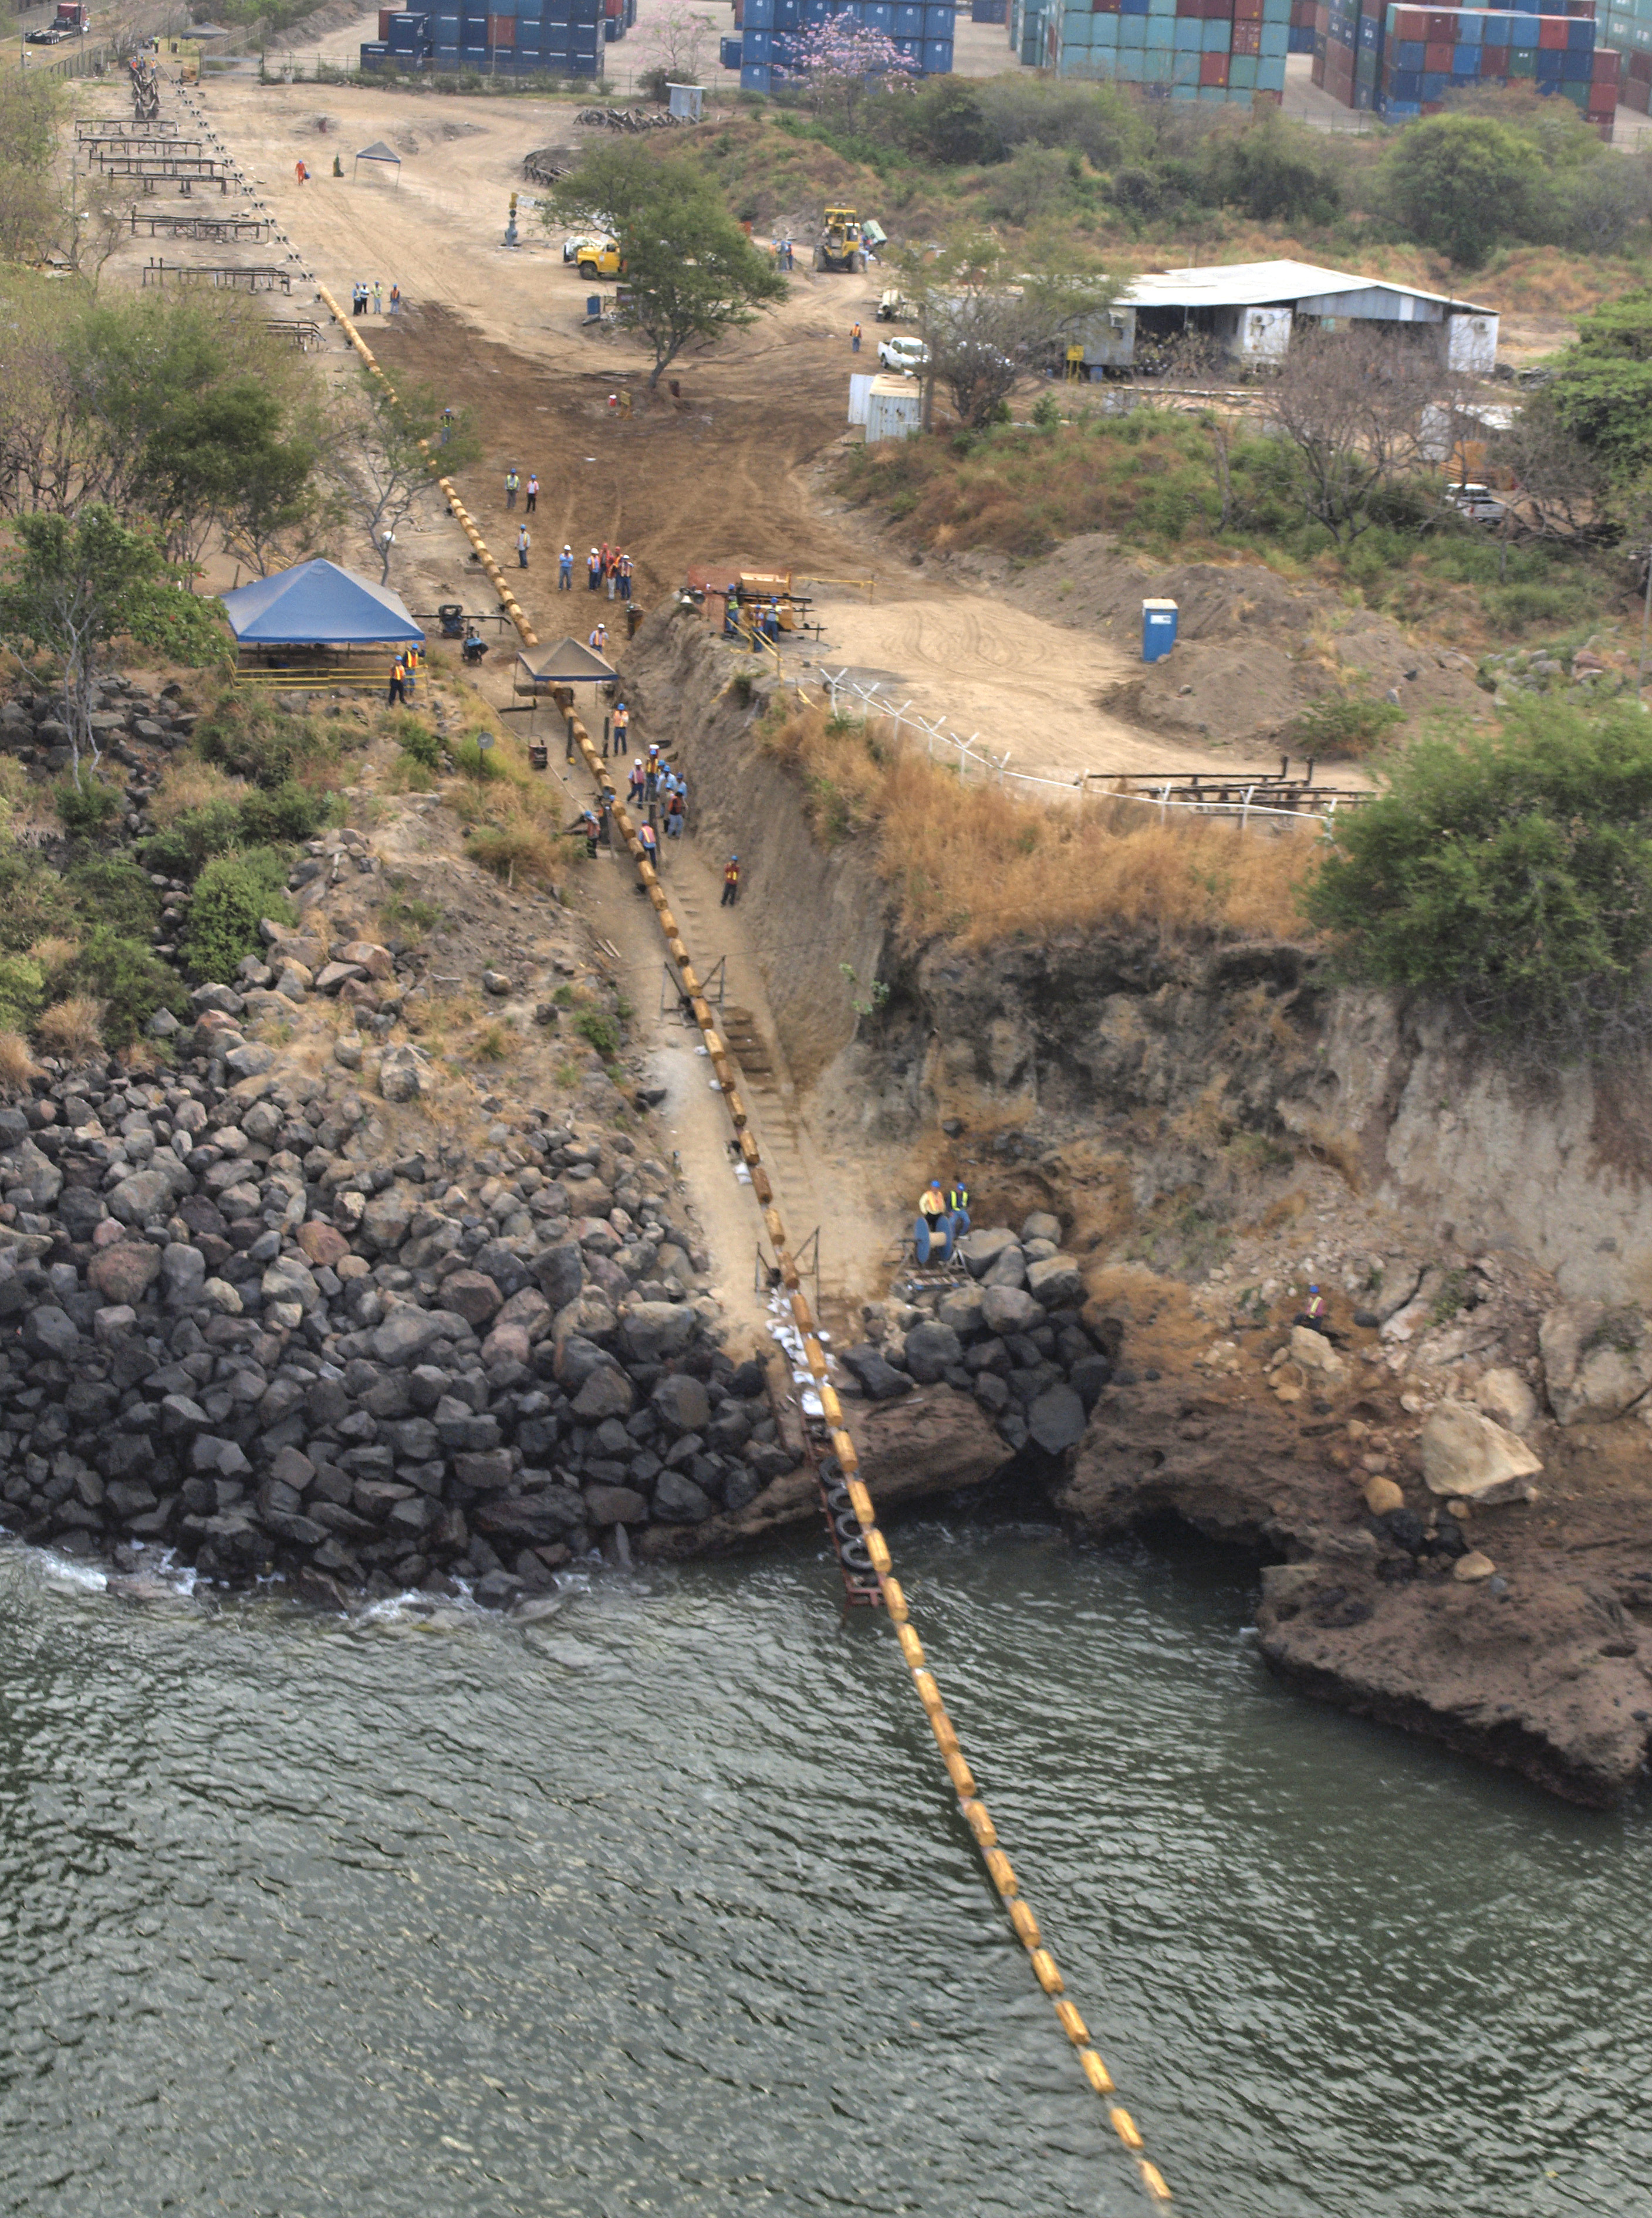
(909, 20)
(731, 54)
(1271, 70)
(754, 78)
(937, 57)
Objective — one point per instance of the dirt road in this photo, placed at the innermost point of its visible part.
(730, 473)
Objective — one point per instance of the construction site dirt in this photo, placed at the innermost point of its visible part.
(736, 469)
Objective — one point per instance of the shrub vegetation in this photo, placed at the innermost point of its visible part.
(1511, 873)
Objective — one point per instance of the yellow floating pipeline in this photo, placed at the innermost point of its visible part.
(973, 1811)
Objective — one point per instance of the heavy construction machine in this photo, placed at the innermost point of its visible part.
(840, 246)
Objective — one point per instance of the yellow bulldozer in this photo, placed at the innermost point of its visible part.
(839, 245)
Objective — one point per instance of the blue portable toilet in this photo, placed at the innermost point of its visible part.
(1157, 629)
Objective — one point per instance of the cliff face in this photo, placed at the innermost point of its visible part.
(1216, 1128)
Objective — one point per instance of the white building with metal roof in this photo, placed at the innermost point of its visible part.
(1250, 309)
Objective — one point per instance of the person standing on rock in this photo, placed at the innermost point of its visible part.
(512, 481)
(593, 570)
(622, 728)
(378, 298)
(522, 543)
(398, 683)
(396, 290)
(730, 883)
(531, 504)
(627, 569)
(1316, 1316)
(565, 571)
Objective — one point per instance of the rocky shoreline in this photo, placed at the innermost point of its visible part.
(243, 1331)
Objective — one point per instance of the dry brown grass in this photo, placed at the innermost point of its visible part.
(17, 1065)
(72, 1029)
(975, 865)
(187, 784)
(517, 848)
(54, 952)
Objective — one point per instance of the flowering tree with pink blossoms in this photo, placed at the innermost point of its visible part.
(841, 61)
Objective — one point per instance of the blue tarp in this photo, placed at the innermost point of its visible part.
(317, 604)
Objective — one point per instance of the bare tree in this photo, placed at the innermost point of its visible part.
(988, 319)
(1561, 490)
(387, 457)
(681, 36)
(1355, 408)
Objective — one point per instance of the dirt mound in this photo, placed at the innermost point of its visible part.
(335, 15)
(1253, 649)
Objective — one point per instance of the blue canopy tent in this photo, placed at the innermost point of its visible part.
(309, 613)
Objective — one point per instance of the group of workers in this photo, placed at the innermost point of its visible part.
(358, 303)
(404, 674)
(514, 485)
(740, 617)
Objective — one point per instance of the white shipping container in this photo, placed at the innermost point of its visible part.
(860, 384)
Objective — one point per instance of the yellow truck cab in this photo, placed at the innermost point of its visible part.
(597, 257)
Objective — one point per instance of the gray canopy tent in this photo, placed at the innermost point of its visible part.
(569, 663)
(378, 151)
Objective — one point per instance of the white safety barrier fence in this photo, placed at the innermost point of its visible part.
(969, 756)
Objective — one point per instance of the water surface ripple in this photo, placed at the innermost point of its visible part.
(662, 1906)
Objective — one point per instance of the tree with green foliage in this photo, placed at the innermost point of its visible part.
(691, 274)
(1461, 184)
(68, 588)
(1600, 395)
(1276, 171)
(1510, 874)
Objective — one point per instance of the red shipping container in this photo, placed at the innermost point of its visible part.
(1636, 92)
(1247, 38)
(384, 25)
(1213, 69)
(1437, 55)
(1316, 71)
(1247, 11)
(1442, 26)
(1433, 107)
(1494, 61)
(1411, 23)
(501, 30)
(1606, 69)
(1552, 33)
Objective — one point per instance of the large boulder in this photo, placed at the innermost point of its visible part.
(677, 1501)
(1008, 1309)
(1465, 1453)
(1057, 1420)
(982, 1248)
(1314, 1352)
(682, 1402)
(125, 1272)
(1597, 1362)
(653, 1332)
(606, 1393)
(879, 1380)
(404, 1335)
(149, 1194)
(932, 1350)
(961, 1309)
(1057, 1282)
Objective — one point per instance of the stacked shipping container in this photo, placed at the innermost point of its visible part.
(922, 30)
(1401, 61)
(1209, 50)
(1627, 27)
(1429, 52)
(523, 38)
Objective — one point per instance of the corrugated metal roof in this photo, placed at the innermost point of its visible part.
(1263, 284)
